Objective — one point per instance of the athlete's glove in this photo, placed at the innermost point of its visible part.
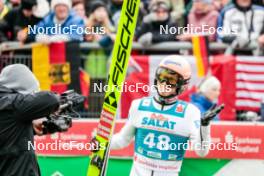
(211, 113)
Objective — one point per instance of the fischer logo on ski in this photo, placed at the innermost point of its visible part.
(117, 73)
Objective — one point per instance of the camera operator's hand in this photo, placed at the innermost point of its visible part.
(38, 126)
(210, 114)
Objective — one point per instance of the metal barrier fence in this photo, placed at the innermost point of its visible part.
(165, 46)
(12, 53)
(13, 59)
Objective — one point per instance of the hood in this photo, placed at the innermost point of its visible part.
(19, 78)
(243, 9)
(5, 90)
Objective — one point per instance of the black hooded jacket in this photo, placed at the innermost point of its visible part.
(154, 28)
(16, 132)
(13, 22)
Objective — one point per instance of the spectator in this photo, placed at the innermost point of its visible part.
(100, 23)
(3, 9)
(220, 4)
(71, 25)
(78, 7)
(14, 25)
(87, 4)
(149, 32)
(260, 50)
(207, 95)
(14, 3)
(202, 16)
(177, 11)
(241, 22)
(42, 9)
(115, 11)
(103, 32)
(143, 11)
(262, 110)
(261, 37)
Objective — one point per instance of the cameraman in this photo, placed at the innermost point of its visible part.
(20, 105)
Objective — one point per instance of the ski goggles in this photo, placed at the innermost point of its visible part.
(169, 77)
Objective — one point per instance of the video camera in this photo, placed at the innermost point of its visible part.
(62, 119)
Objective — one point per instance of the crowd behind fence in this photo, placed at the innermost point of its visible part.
(15, 53)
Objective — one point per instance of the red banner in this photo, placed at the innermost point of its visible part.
(223, 67)
(242, 79)
(248, 137)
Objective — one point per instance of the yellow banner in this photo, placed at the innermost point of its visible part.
(41, 65)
